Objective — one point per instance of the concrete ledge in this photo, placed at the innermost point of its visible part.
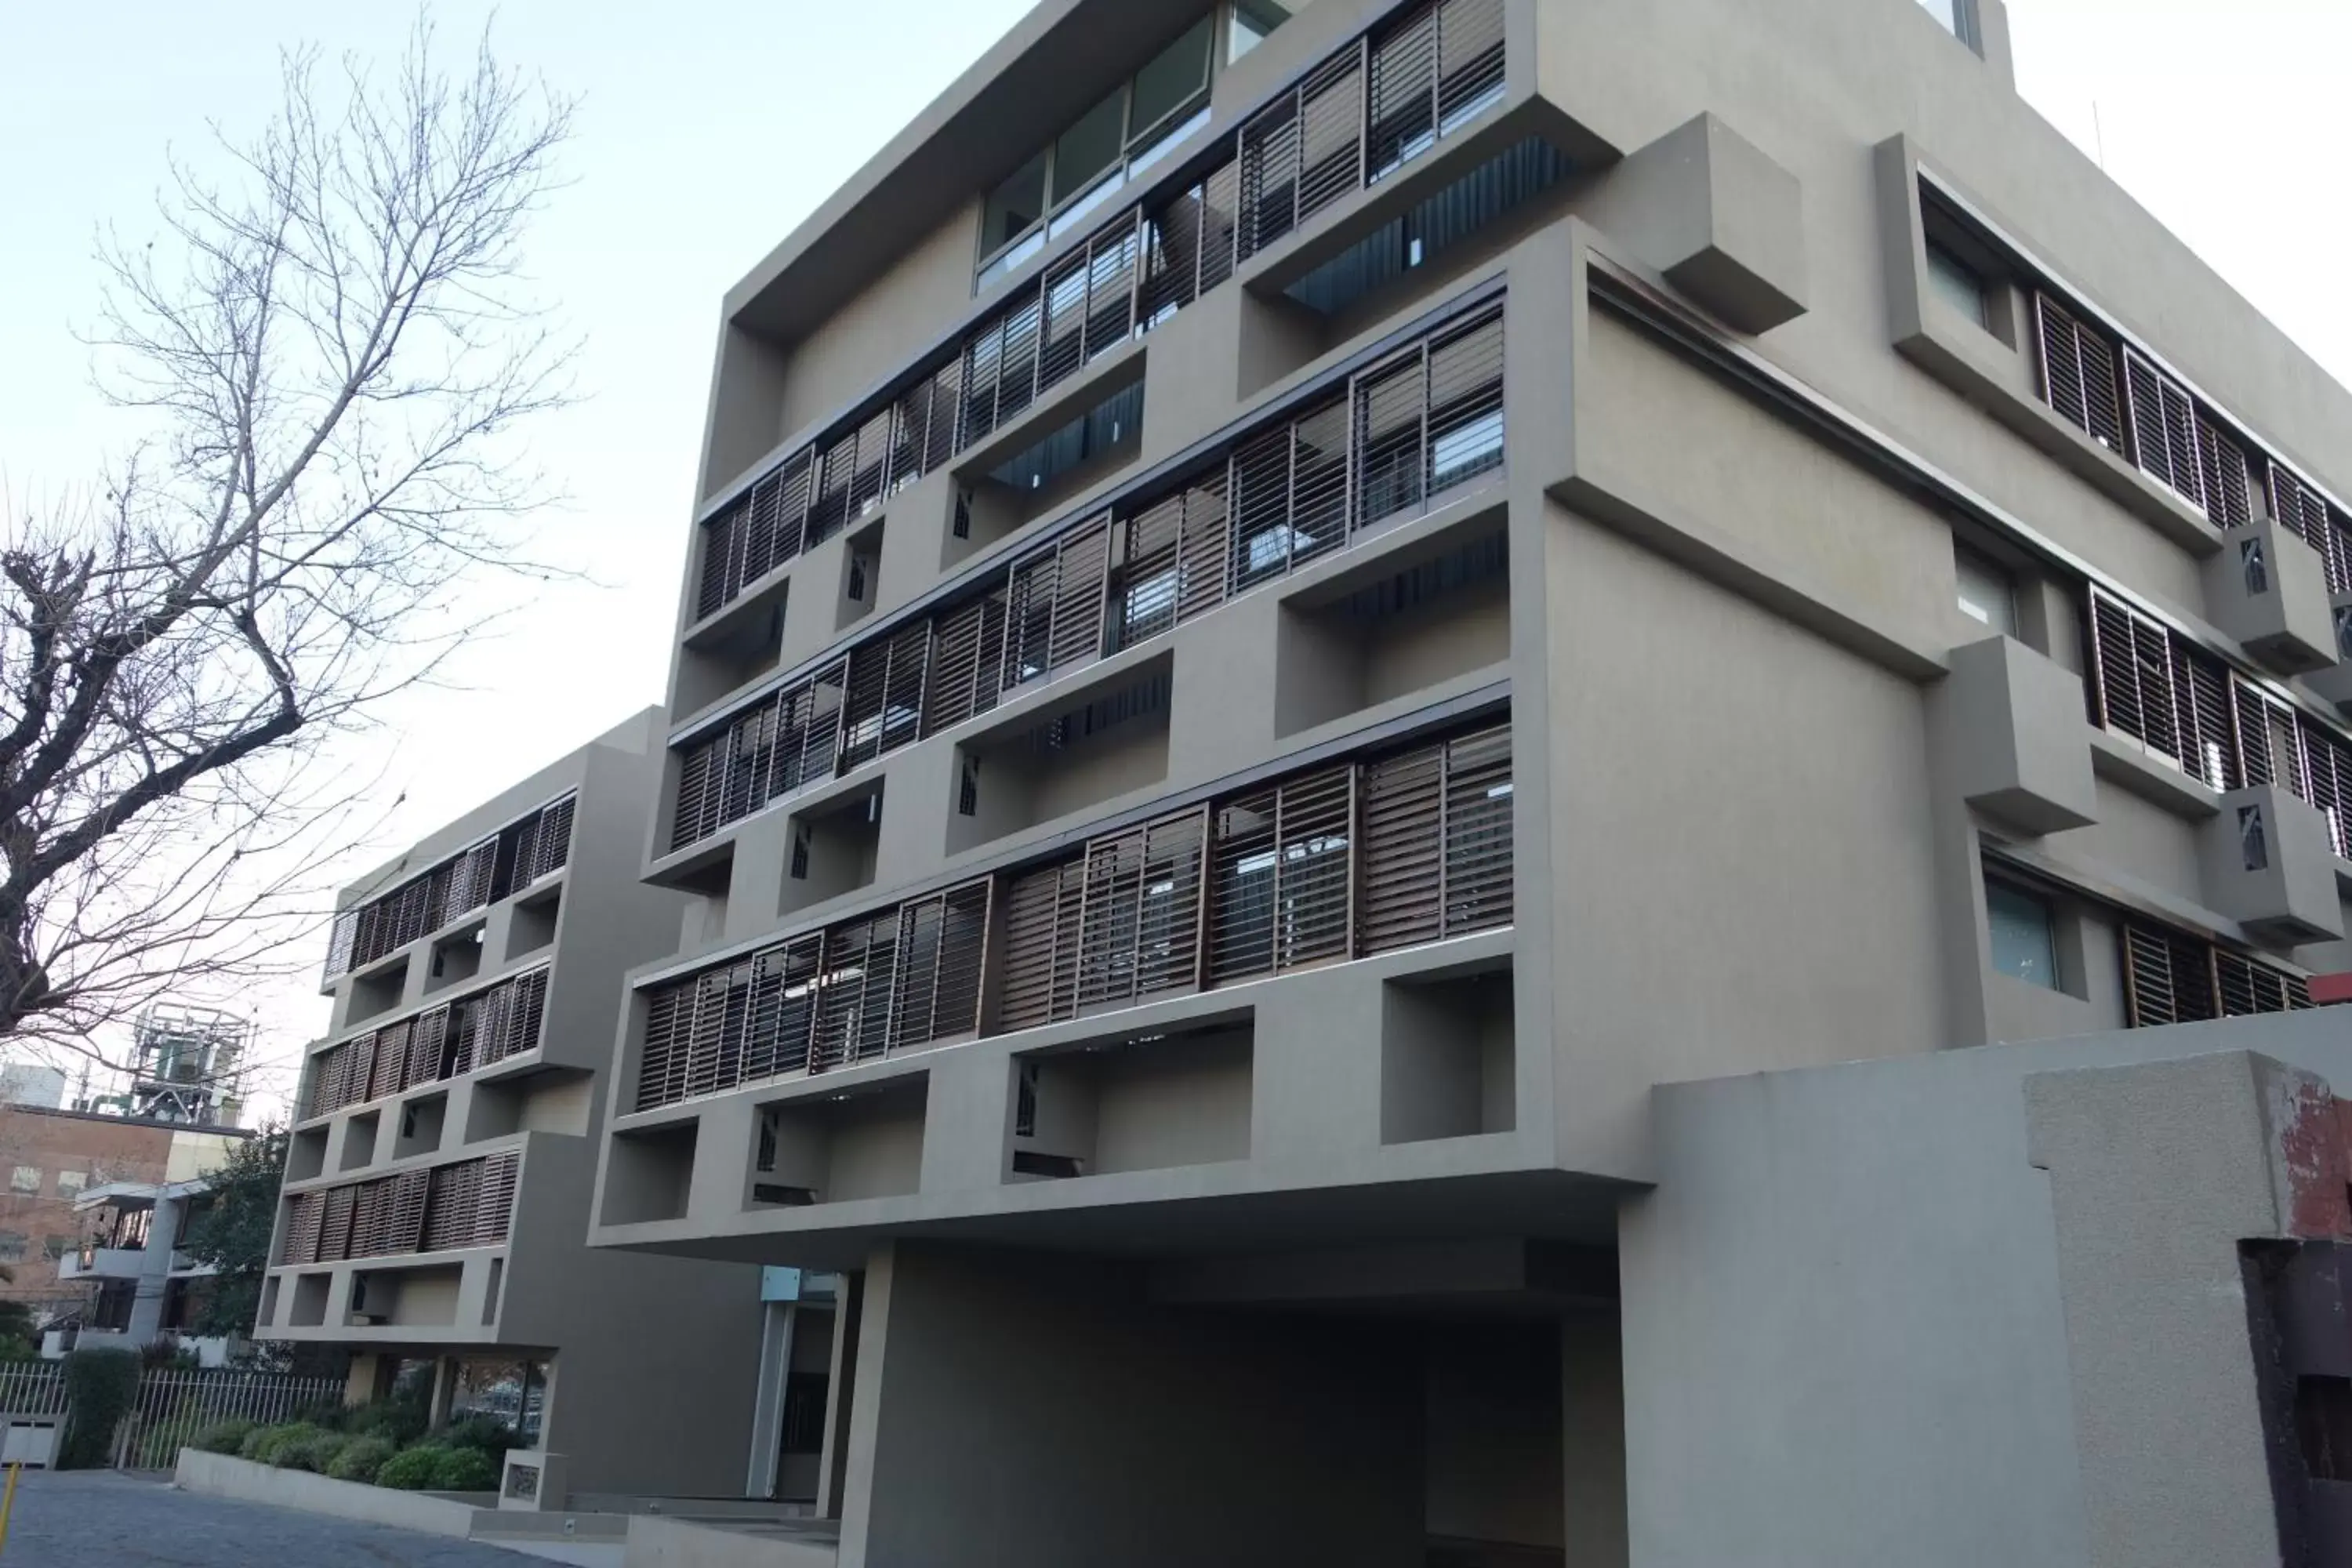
(655, 1542)
(219, 1475)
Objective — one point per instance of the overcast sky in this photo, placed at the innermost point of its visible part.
(708, 130)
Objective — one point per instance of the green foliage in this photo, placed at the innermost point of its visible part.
(223, 1437)
(465, 1470)
(167, 1354)
(315, 1451)
(16, 1321)
(231, 1230)
(361, 1459)
(99, 1386)
(412, 1469)
(482, 1432)
(14, 1349)
(398, 1421)
(271, 1444)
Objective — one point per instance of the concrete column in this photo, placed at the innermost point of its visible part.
(1593, 1424)
(832, 1464)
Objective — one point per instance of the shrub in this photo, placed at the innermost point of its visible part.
(270, 1445)
(223, 1437)
(467, 1469)
(485, 1432)
(412, 1469)
(361, 1459)
(397, 1421)
(314, 1451)
(99, 1385)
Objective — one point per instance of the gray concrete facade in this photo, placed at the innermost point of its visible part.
(1869, 691)
(615, 1342)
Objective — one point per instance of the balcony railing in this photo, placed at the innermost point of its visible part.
(1411, 425)
(506, 862)
(2188, 709)
(1375, 105)
(468, 1203)
(444, 1042)
(1337, 862)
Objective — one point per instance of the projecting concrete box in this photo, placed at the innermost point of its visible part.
(2270, 865)
(2333, 684)
(2269, 590)
(1724, 223)
(2012, 732)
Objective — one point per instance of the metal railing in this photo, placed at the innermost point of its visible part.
(172, 1408)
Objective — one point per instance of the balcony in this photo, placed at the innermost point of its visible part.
(2269, 863)
(2269, 590)
(2012, 730)
(104, 1263)
(1348, 859)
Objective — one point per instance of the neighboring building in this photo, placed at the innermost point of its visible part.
(32, 1085)
(1287, 614)
(146, 1288)
(442, 1155)
(188, 1063)
(49, 1159)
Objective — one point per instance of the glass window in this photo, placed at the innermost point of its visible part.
(2024, 945)
(1014, 206)
(26, 1179)
(1987, 593)
(71, 1183)
(1089, 147)
(1170, 83)
(1957, 285)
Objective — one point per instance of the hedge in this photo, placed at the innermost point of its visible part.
(99, 1387)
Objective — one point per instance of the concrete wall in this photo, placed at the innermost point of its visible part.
(1147, 1436)
(220, 1475)
(1857, 1306)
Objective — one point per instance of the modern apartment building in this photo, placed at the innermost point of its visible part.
(436, 1206)
(1291, 608)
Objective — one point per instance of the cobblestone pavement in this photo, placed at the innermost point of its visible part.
(96, 1519)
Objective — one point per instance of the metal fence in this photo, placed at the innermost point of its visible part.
(172, 1408)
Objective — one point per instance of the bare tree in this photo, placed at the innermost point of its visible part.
(327, 346)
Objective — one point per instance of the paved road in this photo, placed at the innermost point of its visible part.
(96, 1519)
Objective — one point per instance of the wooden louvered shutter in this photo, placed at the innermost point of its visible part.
(1111, 258)
(1039, 983)
(2078, 372)
(723, 554)
(829, 508)
(1319, 480)
(1465, 404)
(2223, 476)
(1016, 363)
(335, 1231)
(869, 481)
(1260, 531)
(1269, 175)
(1081, 582)
(305, 1218)
(1392, 438)
(706, 1036)
(853, 996)
(1113, 874)
(942, 942)
(669, 1015)
(2297, 507)
(2269, 741)
(1330, 134)
(1469, 59)
(1220, 209)
(965, 664)
(554, 838)
(2164, 428)
(476, 868)
(426, 1047)
(885, 695)
(1402, 851)
(1148, 577)
(494, 1211)
(1201, 555)
(391, 1065)
(340, 936)
(1479, 804)
(452, 1195)
(1062, 340)
(2328, 768)
(527, 1014)
(2200, 688)
(910, 427)
(697, 815)
(405, 1224)
(1282, 870)
(2167, 978)
(1404, 92)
